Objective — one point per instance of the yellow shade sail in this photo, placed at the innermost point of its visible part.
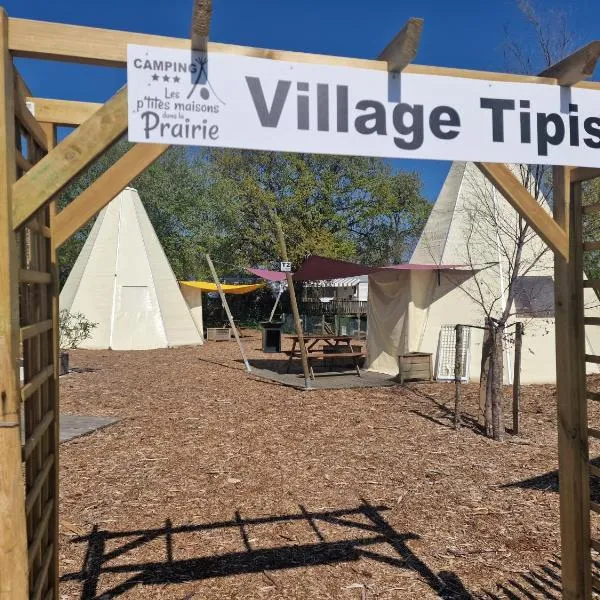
(207, 286)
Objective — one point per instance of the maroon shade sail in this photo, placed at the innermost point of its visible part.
(318, 268)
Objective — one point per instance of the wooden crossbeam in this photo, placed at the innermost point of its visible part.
(201, 15)
(402, 50)
(74, 216)
(108, 47)
(584, 173)
(69, 158)
(62, 112)
(526, 205)
(576, 67)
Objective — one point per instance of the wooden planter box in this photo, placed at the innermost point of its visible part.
(416, 366)
(218, 334)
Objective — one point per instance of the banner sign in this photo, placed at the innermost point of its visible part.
(191, 98)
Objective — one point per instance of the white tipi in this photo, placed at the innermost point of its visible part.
(471, 226)
(122, 280)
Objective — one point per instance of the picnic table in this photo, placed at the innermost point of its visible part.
(314, 352)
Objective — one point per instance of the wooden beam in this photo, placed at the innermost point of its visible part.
(108, 47)
(62, 112)
(576, 67)
(571, 394)
(526, 205)
(201, 16)
(402, 50)
(69, 158)
(13, 532)
(584, 173)
(74, 216)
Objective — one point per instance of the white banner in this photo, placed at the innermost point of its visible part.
(179, 97)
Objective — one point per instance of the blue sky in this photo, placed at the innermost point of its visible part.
(463, 33)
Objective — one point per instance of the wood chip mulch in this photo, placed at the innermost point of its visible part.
(217, 485)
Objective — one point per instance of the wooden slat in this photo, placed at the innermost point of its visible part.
(63, 112)
(76, 214)
(36, 329)
(595, 507)
(201, 15)
(22, 162)
(591, 283)
(591, 320)
(526, 205)
(41, 527)
(595, 545)
(42, 578)
(594, 433)
(37, 381)
(41, 229)
(29, 276)
(26, 119)
(13, 532)
(36, 488)
(577, 66)
(592, 358)
(36, 435)
(591, 209)
(584, 173)
(593, 395)
(69, 157)
(594, 470)
(590, 246)
(595, 583)
(402, 50)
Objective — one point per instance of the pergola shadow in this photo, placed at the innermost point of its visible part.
(365, 519)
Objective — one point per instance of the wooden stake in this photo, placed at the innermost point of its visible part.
(294, 302)
(13, 533)
(573, 452)
(516, 407)
(457, 375)
(229, 315)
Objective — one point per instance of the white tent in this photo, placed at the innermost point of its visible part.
(122, 280)
(468, 236)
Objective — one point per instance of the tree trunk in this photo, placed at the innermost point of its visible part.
(485, 380)
(496, 386)
(457, 375)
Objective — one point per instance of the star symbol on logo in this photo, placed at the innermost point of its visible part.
(165, 78)
(176, 79)
(155, 77)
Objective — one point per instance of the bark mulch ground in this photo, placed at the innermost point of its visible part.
(217, 485)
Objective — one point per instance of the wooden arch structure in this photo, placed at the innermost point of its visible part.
(34, 168)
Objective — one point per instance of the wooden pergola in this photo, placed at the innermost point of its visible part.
(34, 168)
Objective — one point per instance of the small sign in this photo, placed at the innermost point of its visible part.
(285, 267)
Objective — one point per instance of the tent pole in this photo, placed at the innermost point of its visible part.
(276, 303)
(293, 301)
(229, 315)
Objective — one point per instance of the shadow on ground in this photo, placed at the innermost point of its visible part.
(366, 529)
(365, 525)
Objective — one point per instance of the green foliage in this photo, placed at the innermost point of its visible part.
(74, 328)
(220, 201)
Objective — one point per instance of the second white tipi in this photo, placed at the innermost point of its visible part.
(123, 281)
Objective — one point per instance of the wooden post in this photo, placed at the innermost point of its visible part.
(458, 374)
(570, 394)
(13, 533)
(276, 302)
(229, 315)
(294, 303)
(516, 407)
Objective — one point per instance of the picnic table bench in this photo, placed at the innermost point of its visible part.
(313, 353)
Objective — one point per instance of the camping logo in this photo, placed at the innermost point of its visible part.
(179, 100)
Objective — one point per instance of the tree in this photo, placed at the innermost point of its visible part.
(219, 201)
